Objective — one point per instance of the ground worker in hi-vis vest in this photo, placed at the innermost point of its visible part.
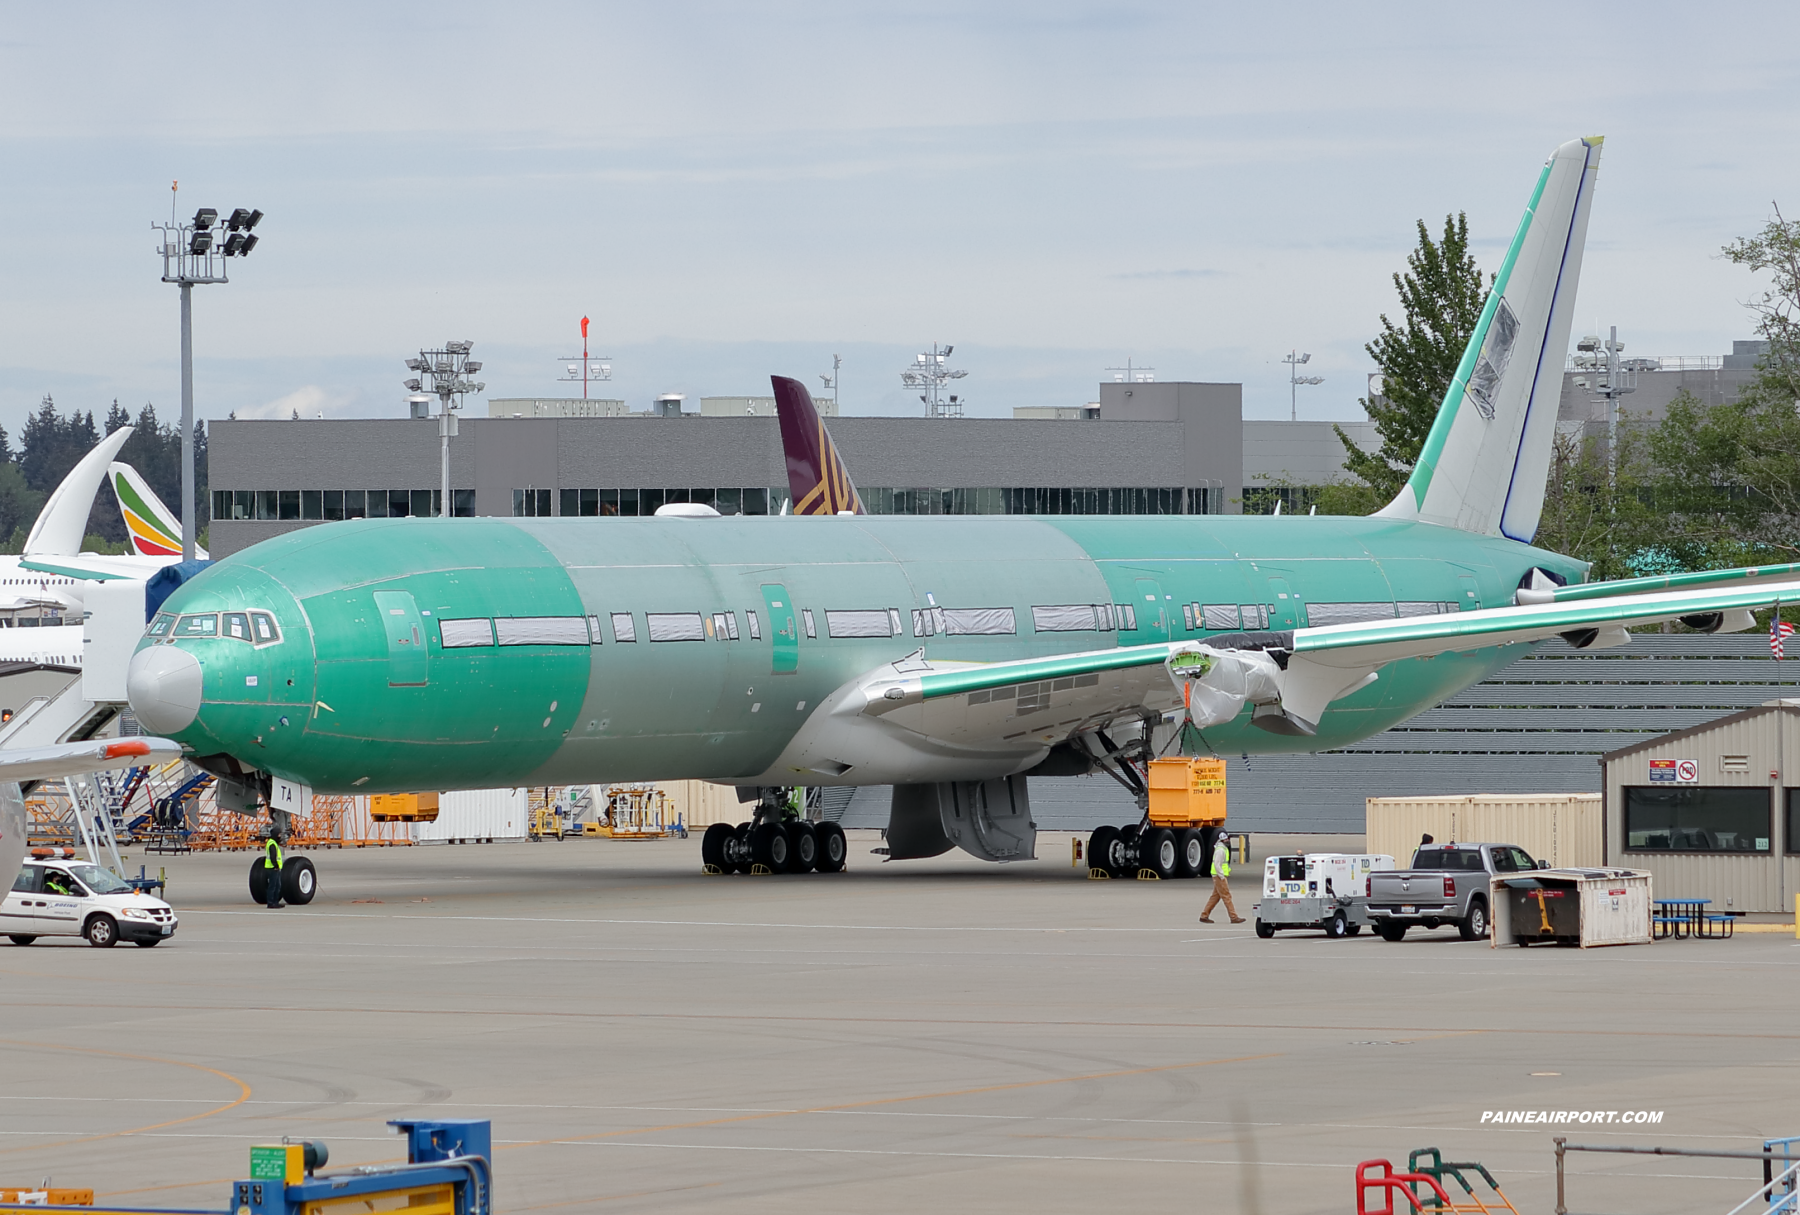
(1221, 870)
(272, 872)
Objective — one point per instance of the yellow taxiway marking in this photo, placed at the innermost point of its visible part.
(243, 1092)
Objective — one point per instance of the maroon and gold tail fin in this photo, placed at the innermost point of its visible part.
(817, 478)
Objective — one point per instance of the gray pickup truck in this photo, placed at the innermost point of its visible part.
(1447, 884)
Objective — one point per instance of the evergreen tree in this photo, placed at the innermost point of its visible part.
(1442, 294)
(117, 416)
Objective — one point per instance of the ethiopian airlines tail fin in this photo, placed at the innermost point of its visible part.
(1485, 462)
(817, 478)
(153, 527)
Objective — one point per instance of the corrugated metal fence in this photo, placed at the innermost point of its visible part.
(1538, 726)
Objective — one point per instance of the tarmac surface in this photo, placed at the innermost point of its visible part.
(938, 1035)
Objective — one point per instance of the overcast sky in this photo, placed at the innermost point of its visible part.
(732, 190)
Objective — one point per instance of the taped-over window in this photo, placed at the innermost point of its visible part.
(541, 630)
(1067, 618)
(623, 628)
(725, 626)
(812, 630)
(454, 633)
(594, 629)
(1220, 616)
(1109, 618)
(1347, 613)
(873, 623)
(1418, 609)
(755, 626)
(985, 622)
(1256, 616)
(1127, 616)
(675, 626)
(1187, 616)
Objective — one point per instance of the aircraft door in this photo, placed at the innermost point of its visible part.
(1153, 620)
(405, 630)
(1286, 606)
(1468, 595)
(784, 629)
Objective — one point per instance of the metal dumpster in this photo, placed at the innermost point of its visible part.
(1585, 907)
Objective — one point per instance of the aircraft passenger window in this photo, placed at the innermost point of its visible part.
(1256, 616)
(456, 634)
(1127, 617)
(1418, 609)
(871, 623)
(237, 626)
(159, 627)
(1070, 618)
(623, 628)
(812, 632)
(731, 629)
(541, 630)
(979, 621)
(923, 626)
(1347, 613)
(594, 629)
(1187, 616)
(1220, 616)
(198, 626)
(1109, 619)
(755, 625)
(675, 626)
(263, 625)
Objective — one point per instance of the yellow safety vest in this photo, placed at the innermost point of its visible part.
(272, 855)
(1222, 859)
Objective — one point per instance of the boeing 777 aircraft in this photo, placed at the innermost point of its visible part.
(949, 657)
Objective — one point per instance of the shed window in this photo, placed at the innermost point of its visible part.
(457, 633)
(623, 628)
(1696, 818)
(873, 623)
(979, 621)
(675, 626)
(1793, 822)
(541, 630)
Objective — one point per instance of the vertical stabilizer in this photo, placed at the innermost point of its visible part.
(817, 478)
(153, 527)
(62, 524)
(1484, 464)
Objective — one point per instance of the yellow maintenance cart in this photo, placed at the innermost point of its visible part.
(1184, 809)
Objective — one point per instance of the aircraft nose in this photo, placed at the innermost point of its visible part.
(163, 684)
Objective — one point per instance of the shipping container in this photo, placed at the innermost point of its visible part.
(476, 816)
(1566, 829)
(1588, 907)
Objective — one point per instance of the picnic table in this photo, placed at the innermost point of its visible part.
(1679, 918)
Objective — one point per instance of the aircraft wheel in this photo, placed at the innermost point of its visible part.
(1265, 931)
(803, 847)
(299, 881)
(712, 847)
(1123, 854)
(1157, 851)
(1190, 853)
(769, 847)
(1100, 846)
(833, 849)
(259, 881)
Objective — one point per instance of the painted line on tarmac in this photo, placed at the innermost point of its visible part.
(243, 1091)
(521, 919)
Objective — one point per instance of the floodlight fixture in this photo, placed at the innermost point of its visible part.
(931, 372)
(444, 374)
(471, 366)
(1294, 359)
(205, 217)
(200, 242)
(249, 244)
(417, 365)
(586, 368)
(234, 244)
(415, 384)
(251, 220)
(238, 216)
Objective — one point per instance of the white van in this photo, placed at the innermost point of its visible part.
(56, 895)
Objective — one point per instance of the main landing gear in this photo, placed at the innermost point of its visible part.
(775, 841)
(1168, 852)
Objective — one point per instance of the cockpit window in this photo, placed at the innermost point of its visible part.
(160, 626)
(206, 625)
(263, 626)
(236, 626)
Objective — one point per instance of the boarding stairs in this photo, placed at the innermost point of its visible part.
(95, 800)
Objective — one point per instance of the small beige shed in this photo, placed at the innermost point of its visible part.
(1711, 810)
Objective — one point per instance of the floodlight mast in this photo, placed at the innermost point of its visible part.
(444, 374)
(599, 368)
(931, 372)
(1294, 359)
(196, 252)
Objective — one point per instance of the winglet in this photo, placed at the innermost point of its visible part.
(817, 478)
(62, 524)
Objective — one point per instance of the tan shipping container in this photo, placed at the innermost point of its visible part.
(701, 803)
(1566, 829)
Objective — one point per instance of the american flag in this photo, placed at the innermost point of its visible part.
(1778, 629)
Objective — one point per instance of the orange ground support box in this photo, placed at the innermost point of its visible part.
(1187, 792)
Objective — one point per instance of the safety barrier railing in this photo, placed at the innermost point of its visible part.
(1769, 1155)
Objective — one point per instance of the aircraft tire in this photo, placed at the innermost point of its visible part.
(1100, 844)
(1157, 851)
(769, 847)
(299, 881)
(1190, 853)
(1124, 849)
(803, 845)
(259, 882)
(712, 847)
(834, 850)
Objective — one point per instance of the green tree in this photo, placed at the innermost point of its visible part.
(1441, 293)
(19, 506)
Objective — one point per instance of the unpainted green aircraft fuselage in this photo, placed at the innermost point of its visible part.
(360, 694)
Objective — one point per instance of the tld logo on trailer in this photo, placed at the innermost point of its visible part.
(1675, 771)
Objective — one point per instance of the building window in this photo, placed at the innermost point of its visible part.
(531, 503)
(311, 506)
(1696, 818)
(377, 503)
(462, 503)
(1792, 836)
(265, 505)
(288, 501)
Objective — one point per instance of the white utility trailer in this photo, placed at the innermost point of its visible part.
(1326, 890)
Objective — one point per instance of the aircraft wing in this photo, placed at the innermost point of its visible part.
(98, 567)
(1290, 677)
(72, 759)
(1752, 575)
